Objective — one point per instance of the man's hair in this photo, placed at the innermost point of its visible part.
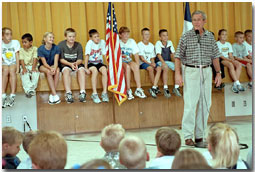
(11, 136)
(224, 144)
(4, 29)
(199, 12)
(133, 152)
(247, 31)
(168, 141)
(48, 150)
(188, 157)
(161, 31)
(69, 30)
(123, 29)
(96, 164)
(27, 36)
(28, 137)
(92, 32)
(145, 29)
(238, 33)
(111, 136)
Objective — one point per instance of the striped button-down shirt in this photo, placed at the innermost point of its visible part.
(188, 48)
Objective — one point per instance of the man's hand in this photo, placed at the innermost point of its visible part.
(218, 79)
(178, 79)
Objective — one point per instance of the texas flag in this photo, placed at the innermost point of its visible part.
(187, 25)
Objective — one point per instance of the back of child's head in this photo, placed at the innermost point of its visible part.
(168, 141)
(123, 29)
(96, 164)
(247, 32)
(11, 136)
(133, 153)
(238, 33)
(48, 150)
(145, 29)
(27, 36)
(223, 144)
(161, 31)
(28, 137)
(69, 30)
(111, 136)
(92, 32)
(4, 29)
(189, 158)
(45, 35)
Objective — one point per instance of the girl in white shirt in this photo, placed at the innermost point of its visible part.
(227, 59)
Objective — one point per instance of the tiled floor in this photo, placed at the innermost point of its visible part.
(88, 147)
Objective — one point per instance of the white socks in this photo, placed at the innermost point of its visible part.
(237, 82)
(176, 86)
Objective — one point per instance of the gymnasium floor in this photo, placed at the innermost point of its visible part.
(88, 147)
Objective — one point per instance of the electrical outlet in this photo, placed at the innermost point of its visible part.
(244, 103)
(233, 103)
(24, 118)
(8, 119)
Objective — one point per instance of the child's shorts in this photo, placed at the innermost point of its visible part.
(145, 66)
(80, 66)
(169, 64)
(98, 65)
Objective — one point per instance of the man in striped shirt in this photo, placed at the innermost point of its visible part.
(196, 51)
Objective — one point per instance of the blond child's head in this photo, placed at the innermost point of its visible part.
(239, 37)
(168, 141)
(96, 164)
(189, 159)
(111, 136)
(133, 153)
(223, 145)
(124, 33)
(28, 137)
(48, 150)
(6, 34)
(48, 38)
(11, 141)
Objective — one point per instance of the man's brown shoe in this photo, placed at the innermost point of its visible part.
(189, 142)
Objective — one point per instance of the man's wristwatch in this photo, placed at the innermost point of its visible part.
(219, 72)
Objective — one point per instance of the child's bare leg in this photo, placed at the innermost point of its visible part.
(5, 74)
(249, 70)
(127, 71)
(94, 72)
(231, 69)
(49, 79)
(165, 74)
(67, 79)
(151, 74)
(135, 69)
(81, 78)
(13, 78)
(103, 70)
(238, 67)
(158, 73)
(56, 78)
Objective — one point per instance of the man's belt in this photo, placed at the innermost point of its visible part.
(197, 66)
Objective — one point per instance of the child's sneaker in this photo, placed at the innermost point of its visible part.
(158, 91)
(240, 87)
(249, 85)
(95, 98)
(105, 97)
(139, 93)
(130, 95)
(56, 99)
(69, 97)
(153, 93)
(11, 100)
(51, 100)
(235, 89)
(82, 97)
(176, 91)
(4, 102)
(32, 92)
(167, 93)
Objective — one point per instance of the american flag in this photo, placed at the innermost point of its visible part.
(116, 77)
